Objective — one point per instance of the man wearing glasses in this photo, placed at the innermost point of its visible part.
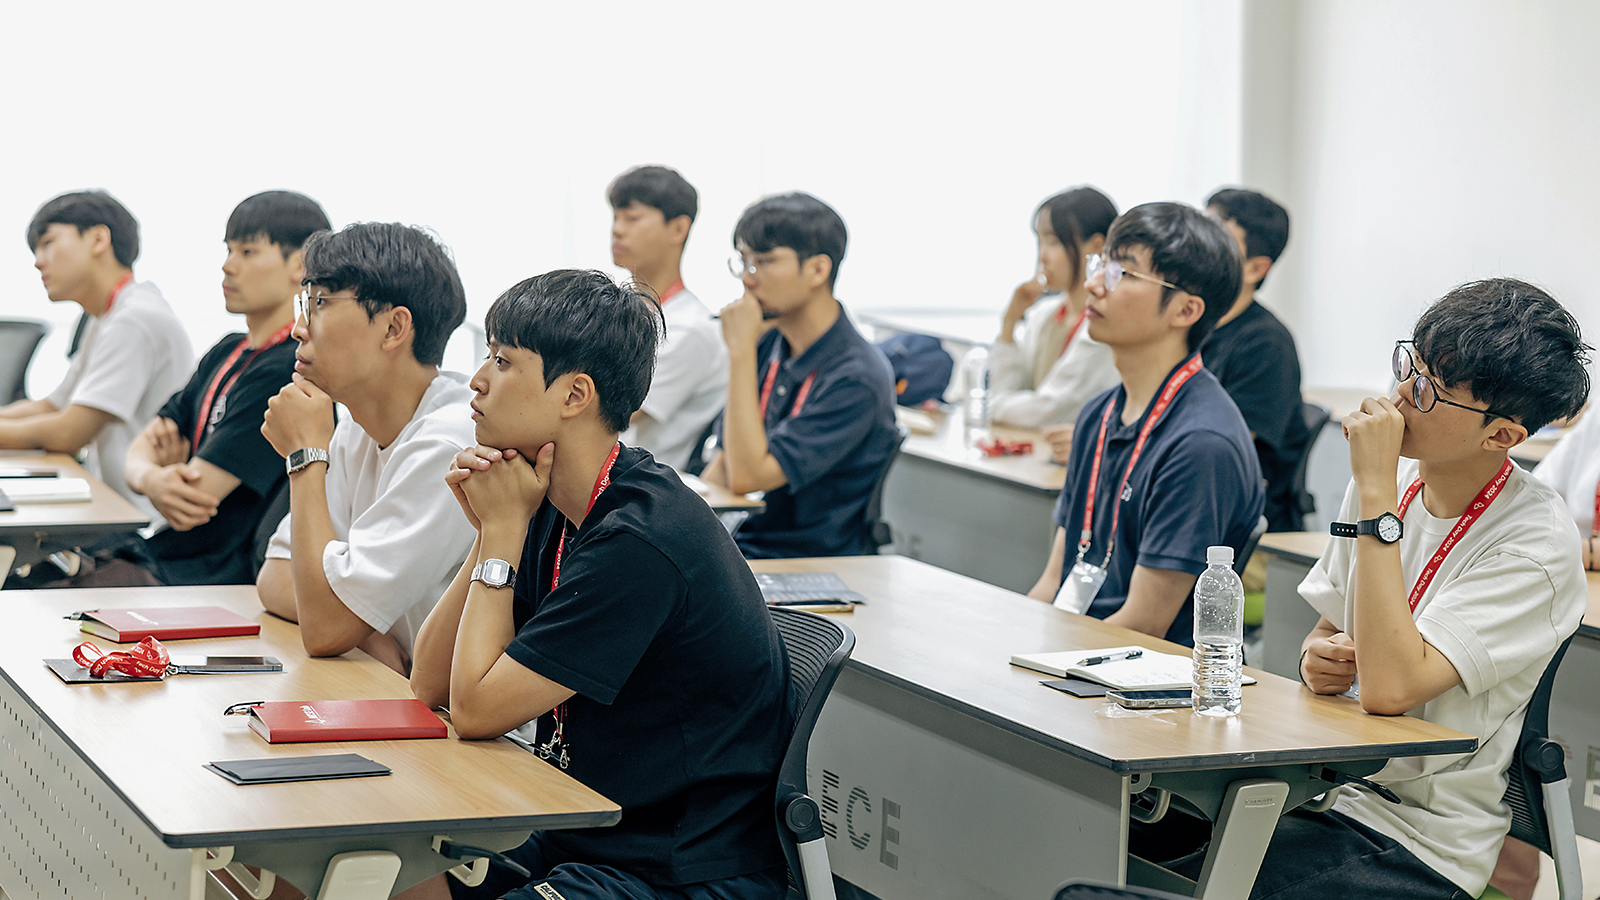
(202, 461)
(374, 535)
(1162, 466)
(810, 414)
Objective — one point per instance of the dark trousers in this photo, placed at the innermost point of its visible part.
(555, 878)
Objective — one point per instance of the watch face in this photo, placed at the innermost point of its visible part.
(496, 571)
(1388, 529)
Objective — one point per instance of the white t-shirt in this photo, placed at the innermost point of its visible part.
(131, 360)
(400, 536)
(1498, 608)
(1072, 379)
(690, 386)
(1573, 469)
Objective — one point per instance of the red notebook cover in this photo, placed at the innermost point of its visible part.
(294, 722)
(166, 624)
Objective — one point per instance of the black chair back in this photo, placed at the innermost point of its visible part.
(19, 339)
(1249, 549)
(1315, 417)
(876, 533)
(1539, 761)
(276, 508)
(817, 647)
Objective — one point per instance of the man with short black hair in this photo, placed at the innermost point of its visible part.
(810, 414)
(604, 600)
(1161, 465)
(652, 209)
(1253, 355)
(134, 354)
(203, 461)
(372, 536)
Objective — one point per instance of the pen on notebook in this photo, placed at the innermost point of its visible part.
(813, 601)
(1097, 660)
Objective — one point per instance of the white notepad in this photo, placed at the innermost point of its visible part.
(45, 490)
(1151, 671)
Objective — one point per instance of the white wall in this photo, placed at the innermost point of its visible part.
(1426, 143)
(499, 126)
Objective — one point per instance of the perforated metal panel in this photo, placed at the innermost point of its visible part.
(63, 831)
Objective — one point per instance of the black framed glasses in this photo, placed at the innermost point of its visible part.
(1423, 393)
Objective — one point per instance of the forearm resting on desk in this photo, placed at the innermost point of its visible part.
(63, 431)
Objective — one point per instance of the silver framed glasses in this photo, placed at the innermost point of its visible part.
(1113, 272)
(306, 303)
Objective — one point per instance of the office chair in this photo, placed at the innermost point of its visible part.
(1092, 890)
(817, 647)
(277, 506)
(875, 531)
(1315, 416)
(19, 339)
(704, 448)
(1541, 807)
(1249, 549)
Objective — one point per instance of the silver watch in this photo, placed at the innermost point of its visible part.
(303, 457)
(494, 573)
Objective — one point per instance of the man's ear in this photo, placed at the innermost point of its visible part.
(1255, 269)
(1506, 434)
(814, 272)
(400, 331)
(678, 228)
(1184, 309)
(581, 395)
(99, 238)
(295, 267)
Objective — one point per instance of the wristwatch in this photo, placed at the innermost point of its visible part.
(305, 456)
(495, 573)
(1386, 528)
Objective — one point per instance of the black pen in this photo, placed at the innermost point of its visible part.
(766, 314)
(1097, 660)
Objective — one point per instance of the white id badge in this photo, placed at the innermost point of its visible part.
(1080, 588)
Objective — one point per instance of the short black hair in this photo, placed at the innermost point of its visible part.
(283, 217)
(579, 320)
(1076, 215)
(389, 264)
(1265, 224)
(795, 220)
(86, 209)
(1187, 248)
(656, 186)
(1512, 345)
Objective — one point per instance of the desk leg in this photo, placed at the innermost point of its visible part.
(1287, 618)
(921, 801)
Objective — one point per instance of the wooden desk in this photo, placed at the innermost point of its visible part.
(944, 771)
(37, 529)
(103, 784)
(720, 498)
(985, 517)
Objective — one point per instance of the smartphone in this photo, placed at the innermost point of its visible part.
(224, 665)
(1152, 699)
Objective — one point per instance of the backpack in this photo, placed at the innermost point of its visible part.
(921, 367)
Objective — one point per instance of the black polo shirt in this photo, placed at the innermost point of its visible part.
(219, 551)
(680, 714)
(1254, 358)
(831, 451)
(1197, 484)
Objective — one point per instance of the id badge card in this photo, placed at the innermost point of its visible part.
(1080, 588)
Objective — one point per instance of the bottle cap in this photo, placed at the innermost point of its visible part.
(1219, 555)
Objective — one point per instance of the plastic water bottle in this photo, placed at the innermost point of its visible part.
(1218, 636)
(975, 369)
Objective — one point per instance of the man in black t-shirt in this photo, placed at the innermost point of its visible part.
(203, 461)
(604, 600)
(1254, 356)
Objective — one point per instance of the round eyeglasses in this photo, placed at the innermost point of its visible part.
(1423, 394)
(1113, 272)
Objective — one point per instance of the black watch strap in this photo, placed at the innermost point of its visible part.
(1343, 529)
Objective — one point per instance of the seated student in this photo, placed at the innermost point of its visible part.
(810, 414)
(134, 354)
(203, 461)
(1573, 468)
(1167, 440)
(1466, 647)
(652, 208)
(1043, 372)
(373, 536)
(604, 599)
(1254, 356)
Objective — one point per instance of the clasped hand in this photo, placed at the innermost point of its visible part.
(300, 416)
(1329, 664)
(499, 488)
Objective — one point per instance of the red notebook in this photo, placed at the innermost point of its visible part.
(165, 624)
(295, 722)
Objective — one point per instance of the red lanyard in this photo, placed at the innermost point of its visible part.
(671, 292)
(112, 297)
(146, 659)
(799, 396)
(1594, 527)
(1163, 400)
(1474, 510)
(1075, 328)
(200, 423)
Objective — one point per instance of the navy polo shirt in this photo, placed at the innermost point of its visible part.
(831, 451)
(1197, 484)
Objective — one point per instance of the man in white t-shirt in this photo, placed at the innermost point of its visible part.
(1466, 647)
(652, 208)
(134, 353)
(373, 534)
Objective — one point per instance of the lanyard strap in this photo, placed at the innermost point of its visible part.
(799, 396)
(202, 420)
(671, 292)
(1594, 527)
(147, 659)
(1076, 327)
(1474, 510)
(1163, 400)
(115, 290)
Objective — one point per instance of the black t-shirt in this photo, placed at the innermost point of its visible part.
(218, 552)
(680, 714)
(1254, 357)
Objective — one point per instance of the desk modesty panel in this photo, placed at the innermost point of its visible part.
(104, 785)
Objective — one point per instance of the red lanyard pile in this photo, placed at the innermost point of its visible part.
(1170, 390)
(147, 659)
(1474, 510)
(211, 396)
